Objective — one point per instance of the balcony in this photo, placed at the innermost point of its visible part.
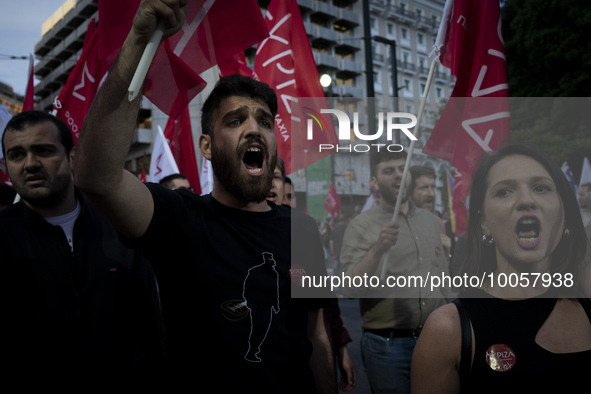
(306, 4)
(76, 17)
(326, 60)
(401, 15)
(408, 68)
(350, 91)
(378, 6)
(427, 24)
(142, 136)
(440, 76)
(348, 69)
(423, 71)
(348, 43)
(348, 18)
(309, 29)
(324, 36)
(324, 10)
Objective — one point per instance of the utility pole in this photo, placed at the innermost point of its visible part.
(371, 112)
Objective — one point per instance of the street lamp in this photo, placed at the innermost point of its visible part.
(392, 44)
(325, 80)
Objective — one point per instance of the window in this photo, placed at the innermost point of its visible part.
(405, 37)
(420, 39)
(377, 80)
(373, 22)
(390, 31)
(408, 90)
(422, 63)
(406, 57)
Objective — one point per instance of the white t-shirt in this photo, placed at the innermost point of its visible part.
(66, 222)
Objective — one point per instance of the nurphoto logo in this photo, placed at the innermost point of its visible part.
(387, 122)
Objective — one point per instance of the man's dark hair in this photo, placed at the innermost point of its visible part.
(587, 186)
(419, 171)
(288, 180)
(235, 85)
(382, 156)
(167, 180)
(25, 119)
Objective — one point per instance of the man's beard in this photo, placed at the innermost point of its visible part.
(48, 196)
(230, 175)
(390, 195)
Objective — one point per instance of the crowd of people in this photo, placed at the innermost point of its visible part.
(111, 282)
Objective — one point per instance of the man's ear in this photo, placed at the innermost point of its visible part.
(374, 183)
(205, 145)
(72, 155)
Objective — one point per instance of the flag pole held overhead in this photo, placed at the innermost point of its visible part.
(145, 62)
(411, 149)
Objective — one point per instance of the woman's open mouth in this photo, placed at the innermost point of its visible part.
(528, 231)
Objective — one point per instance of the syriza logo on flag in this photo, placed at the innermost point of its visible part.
(162, 163)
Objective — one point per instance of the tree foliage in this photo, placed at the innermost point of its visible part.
(548, 51)
(548, 47)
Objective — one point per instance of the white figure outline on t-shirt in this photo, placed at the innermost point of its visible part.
(262, 302)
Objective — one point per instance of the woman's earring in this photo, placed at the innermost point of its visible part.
(487, 240)
(566, 232)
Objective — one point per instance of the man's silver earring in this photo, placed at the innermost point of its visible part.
(566, 232)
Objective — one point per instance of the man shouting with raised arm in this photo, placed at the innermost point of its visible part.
(203, 248)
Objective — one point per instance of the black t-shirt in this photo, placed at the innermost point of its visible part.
(224, 278)
(507, 357)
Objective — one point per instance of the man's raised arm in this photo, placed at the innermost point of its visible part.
(108, 128)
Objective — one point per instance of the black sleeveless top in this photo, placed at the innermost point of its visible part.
(507, 358)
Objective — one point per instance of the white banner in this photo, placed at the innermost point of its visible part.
(162, 163)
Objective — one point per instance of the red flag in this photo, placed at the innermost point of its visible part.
(82, 84)
(476, 118)
(214, 30)
(180, 139)
(143, 177)
(275, 65)
(332, 202)
(237, 65)
(29, 102)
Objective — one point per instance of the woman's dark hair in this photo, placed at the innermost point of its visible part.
(235, 85)
(479, 258)
(31, 118)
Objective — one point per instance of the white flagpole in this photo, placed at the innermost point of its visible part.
(145, 62)
(408, 159)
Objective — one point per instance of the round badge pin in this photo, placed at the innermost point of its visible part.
(296, 272)
(500, 357)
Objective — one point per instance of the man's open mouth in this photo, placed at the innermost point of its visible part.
(253, 160)
(527, 231)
